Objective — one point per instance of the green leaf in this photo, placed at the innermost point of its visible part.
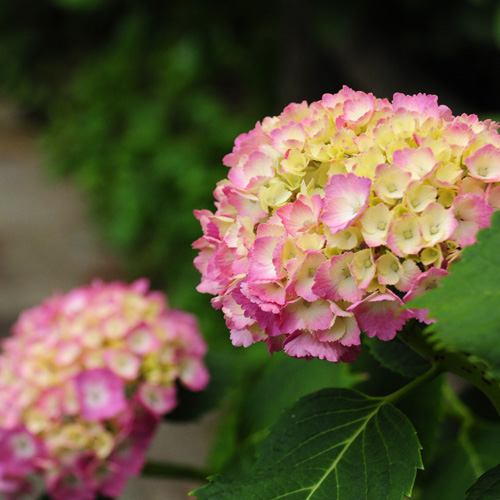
(487, 487)
(283, 382)
(270, 390)
(335, 444)
(396, 356)
(465, 305)
(425, 410)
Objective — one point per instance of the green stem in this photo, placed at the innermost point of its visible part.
(174, 471)
(454, 362)
(429, 375)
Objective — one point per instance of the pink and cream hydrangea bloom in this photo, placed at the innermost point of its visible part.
(335, 214)
(84, 381)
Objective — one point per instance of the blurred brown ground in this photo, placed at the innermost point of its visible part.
(48, 245)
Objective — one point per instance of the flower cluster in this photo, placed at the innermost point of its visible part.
(84, 381)
(335, 214)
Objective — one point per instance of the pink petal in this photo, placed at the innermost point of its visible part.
(101, 394)
(258, 167)
(484, 164)
(123, 363)
(334, 281)
(234, 314)
(246, 204)
(246, 337)
(266, 291)
(261, 258)
(420, 103)
(266, 320)
(244, 145)
(291, 136)
(345, 330)
(357, 111)
(346, 197)
(306, 345)
(302, 214)
(157, 399)
(405, 235)
(472, 214)
(419, 162)
(302, 280)
(68, 484)
(193, 374)
(379, 315)
(303, 315)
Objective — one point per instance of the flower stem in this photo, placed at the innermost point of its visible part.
(454, 362)
(429, 375)
(164, 470)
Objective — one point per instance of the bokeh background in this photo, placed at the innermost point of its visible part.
(127, 107)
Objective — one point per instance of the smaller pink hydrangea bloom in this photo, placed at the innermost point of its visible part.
(459, 136)
(85, 375)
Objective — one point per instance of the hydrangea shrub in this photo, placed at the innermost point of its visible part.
(334, 220)
(84, 381)
(337, 213)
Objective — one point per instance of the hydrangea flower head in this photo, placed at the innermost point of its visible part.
(335, 214)
(84, 381)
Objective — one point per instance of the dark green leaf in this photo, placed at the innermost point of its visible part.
(397, 356)
(273, 388)
(487, 487)
(425, 409)
(283, 382)
(335, 444)
(465, 305)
